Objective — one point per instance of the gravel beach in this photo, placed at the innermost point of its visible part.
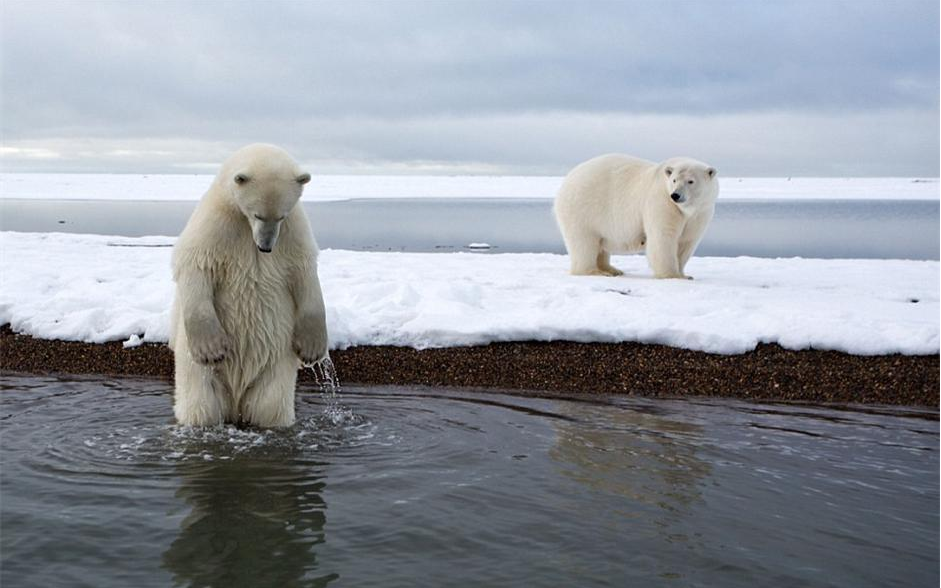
(770, 372)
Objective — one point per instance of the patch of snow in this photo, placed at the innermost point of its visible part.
(133, 341)
(82, 288)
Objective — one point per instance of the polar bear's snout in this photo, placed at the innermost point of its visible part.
(265, 233)
(677, 197)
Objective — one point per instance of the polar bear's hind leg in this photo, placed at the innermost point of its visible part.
(605, 267)
(583, 254)
(200, 400)
(269, 401)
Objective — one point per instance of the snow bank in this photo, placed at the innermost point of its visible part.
(96, 288)
(192, 187)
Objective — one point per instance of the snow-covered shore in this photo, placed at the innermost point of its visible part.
(98, 288)
(323, 188)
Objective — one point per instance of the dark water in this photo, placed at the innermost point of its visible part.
(419, 487)
(880, 229)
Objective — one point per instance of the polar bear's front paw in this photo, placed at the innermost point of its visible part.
(604, 271)
(310, 337)
(309, 346)
(208, 348)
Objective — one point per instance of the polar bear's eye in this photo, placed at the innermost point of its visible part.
(690, 182)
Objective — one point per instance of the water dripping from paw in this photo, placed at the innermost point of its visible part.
(325, 375)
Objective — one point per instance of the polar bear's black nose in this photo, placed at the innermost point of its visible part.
(264, 250)
(676, 197)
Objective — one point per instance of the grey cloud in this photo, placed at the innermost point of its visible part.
(303, 72)
(760, 144)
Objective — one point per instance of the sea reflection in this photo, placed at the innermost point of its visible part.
(647, 458)
(253, 522)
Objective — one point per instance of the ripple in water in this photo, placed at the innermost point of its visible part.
(335, 425)
(417, 486)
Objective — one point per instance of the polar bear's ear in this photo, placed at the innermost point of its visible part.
(711, 172)
(303, 178)
(241, 179)
(668, 171)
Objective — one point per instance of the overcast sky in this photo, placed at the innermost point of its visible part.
(770, 88)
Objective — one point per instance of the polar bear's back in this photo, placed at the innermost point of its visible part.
(611, 163)
(601, 176)
(600, 190)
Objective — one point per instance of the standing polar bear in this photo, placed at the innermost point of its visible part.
(248, 306)
(620, 204)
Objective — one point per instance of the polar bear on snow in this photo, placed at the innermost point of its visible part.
(248, 307)
(621, 204)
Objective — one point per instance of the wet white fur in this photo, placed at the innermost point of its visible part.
(621, 204)
(242, 319)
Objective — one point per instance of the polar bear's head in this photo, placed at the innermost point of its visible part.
(265, 183)
(690, 184)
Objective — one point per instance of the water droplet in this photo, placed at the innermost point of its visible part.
(325, 374)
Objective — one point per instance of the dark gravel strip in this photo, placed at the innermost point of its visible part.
(768, 373)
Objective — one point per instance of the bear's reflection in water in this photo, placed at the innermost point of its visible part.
(254, 522)
(636, 453)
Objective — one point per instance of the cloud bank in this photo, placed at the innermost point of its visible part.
(784, 88)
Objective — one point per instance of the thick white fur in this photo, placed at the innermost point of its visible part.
(243, 319)
(621, 204)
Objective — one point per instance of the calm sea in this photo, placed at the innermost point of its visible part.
(882, 229)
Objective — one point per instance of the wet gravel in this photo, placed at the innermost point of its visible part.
(768, 373)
